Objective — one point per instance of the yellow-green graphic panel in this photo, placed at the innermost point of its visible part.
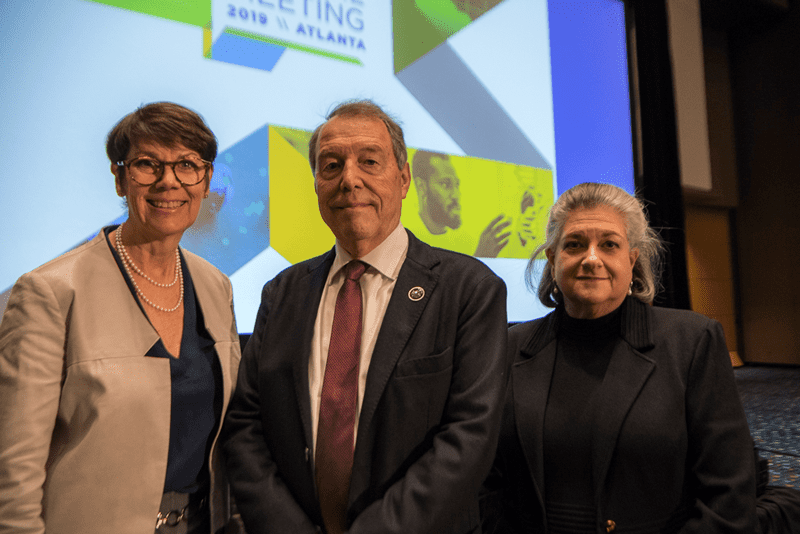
(476, 206)
(194, 12)
(297, 231)
(299, 139)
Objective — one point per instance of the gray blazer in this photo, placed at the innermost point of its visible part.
(671, 445)
(431, 410)
(84, 415)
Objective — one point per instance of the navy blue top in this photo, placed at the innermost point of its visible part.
(196, 391)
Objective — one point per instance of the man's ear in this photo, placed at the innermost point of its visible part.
(405, 179)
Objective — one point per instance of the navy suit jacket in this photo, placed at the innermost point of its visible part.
(671, 446)
(431, 411)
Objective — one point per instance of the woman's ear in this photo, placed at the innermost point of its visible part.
(208, 181)
(551, 261)
(634, 256)
(117, 172)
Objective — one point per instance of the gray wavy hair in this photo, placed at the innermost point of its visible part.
(362, 108)
(646, 270)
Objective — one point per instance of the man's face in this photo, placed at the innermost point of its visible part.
(359, 187)
(444, 195)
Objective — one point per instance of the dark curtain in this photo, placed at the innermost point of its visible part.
(658, 181)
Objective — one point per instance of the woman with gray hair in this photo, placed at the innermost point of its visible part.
(619, 415)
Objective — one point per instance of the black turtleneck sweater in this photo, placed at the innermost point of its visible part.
(582, 355)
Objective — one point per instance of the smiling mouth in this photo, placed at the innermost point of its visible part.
(166, 204)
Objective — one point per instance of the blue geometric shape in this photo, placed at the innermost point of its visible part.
(238, 50)
(591, 103)
(229, 231)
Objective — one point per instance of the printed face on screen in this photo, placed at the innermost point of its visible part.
(164, 208)
(444, 194)
(359, 187)
(593, 262)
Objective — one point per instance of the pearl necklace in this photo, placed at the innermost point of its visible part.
(126, 260)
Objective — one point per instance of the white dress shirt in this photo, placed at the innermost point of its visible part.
(377, 283)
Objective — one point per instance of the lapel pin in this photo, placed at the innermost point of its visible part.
(416, 293)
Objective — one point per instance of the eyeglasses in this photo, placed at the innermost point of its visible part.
(147, 171)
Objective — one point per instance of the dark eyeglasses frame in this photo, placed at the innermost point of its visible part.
(163, 165)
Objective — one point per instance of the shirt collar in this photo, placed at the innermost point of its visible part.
(386, 258)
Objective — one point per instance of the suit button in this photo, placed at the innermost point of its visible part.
(308, 455)
(611, 526)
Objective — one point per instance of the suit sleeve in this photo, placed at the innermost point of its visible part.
(446, 477)
(508, 502)
(264, 502)
(720, 455)
(32, 341)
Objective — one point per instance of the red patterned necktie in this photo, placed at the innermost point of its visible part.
(337, 411)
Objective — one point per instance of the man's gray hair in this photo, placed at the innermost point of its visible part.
(362, 108)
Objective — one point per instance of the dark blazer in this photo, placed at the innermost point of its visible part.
(671, 446)
(431, 411)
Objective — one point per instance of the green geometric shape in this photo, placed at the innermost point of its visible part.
(194, 12)
(422, 25)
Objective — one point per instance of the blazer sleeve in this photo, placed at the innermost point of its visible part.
(448, 475)
(720, 450)
(32, 341)
(263, 499)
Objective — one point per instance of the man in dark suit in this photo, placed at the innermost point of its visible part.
(399, 441)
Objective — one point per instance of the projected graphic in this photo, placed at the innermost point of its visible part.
(448, 89)
(234, 221)
(262, 195)
(194, 12)
(509, 101)
(255, 34)
(464, 204)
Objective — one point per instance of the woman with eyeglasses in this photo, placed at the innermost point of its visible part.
(117, 359)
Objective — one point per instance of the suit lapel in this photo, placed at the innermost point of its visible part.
(214, 316)
(399, 322)
(299, 317)
(212, 299)
(531, 387)
(126, 324)
(627, 373)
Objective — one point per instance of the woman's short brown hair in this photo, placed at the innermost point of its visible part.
(165, 123)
